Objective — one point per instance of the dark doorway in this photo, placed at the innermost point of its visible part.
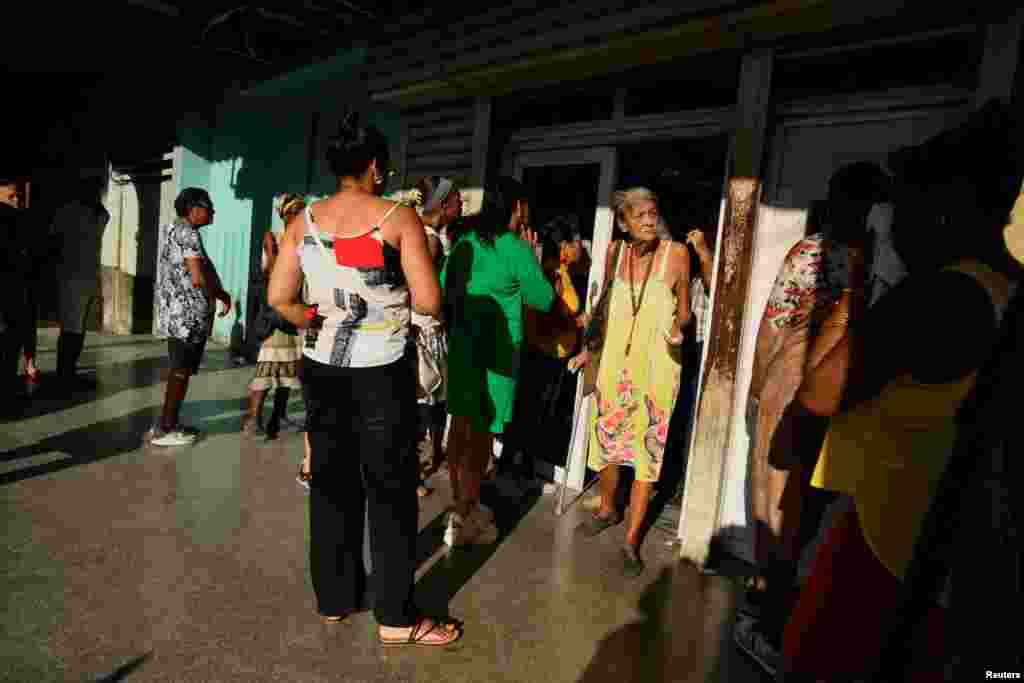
(557, 190)
(687, 176)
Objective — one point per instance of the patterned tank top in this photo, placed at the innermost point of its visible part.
(359, 288)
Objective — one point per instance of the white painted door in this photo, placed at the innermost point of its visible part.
(595, 168)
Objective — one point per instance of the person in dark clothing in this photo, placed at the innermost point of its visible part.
(19, 265)
(78, 228)
(545, 398)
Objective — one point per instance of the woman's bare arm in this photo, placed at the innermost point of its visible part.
(679, 264)
(704, 254)
(417, 263)
(434, 245)
(909, 331)
(270, 251)
(286, 277)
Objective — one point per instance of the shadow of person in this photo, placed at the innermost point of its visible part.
(125, 670)
(683, 635)
(112, 378)
(635, 652)
(440, 584)
(109, 438)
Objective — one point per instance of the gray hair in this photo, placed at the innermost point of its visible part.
(627, 199)
(663, 232)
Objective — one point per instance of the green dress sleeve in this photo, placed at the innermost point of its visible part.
(534, 287)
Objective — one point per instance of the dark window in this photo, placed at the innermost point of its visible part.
(687, 176)
(692, 83)
(571, 103)
(952, 59)
(566, 190)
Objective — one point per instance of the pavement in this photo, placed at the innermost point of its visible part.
(124, 561)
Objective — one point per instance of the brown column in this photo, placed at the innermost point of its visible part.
(705, 471)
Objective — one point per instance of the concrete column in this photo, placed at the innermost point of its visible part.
(705, 471)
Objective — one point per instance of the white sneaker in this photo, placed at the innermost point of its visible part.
(155, 431)
(469, 531)
(453, 531)
(173, 438)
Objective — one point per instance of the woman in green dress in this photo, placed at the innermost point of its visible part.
(641, 364)
(489, 276)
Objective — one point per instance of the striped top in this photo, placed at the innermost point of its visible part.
(359, 288)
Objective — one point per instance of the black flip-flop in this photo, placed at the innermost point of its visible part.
(597, 524)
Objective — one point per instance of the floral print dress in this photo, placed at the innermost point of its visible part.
(635, 394)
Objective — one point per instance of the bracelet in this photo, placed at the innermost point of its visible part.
(843, 322)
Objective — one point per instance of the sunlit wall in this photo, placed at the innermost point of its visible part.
(258, 145)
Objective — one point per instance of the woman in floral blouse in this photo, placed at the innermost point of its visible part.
(785, 440)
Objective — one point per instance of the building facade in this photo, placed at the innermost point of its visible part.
(737, 114)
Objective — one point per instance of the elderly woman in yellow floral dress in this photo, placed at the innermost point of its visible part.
(648, 306)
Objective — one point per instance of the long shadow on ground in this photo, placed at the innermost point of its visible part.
(109, 438)
(437, 587)
(111, 378)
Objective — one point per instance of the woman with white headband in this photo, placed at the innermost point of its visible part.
(277, 367)
(439, 205)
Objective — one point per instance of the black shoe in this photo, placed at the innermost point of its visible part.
(750, 638)
(530, 486)
(77, 383)
(632, 565)
(298, 425)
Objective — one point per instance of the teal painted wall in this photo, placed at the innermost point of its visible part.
(194, 164)
(260, 145)
(257, 155)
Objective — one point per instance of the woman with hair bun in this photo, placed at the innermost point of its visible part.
(365, 264)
